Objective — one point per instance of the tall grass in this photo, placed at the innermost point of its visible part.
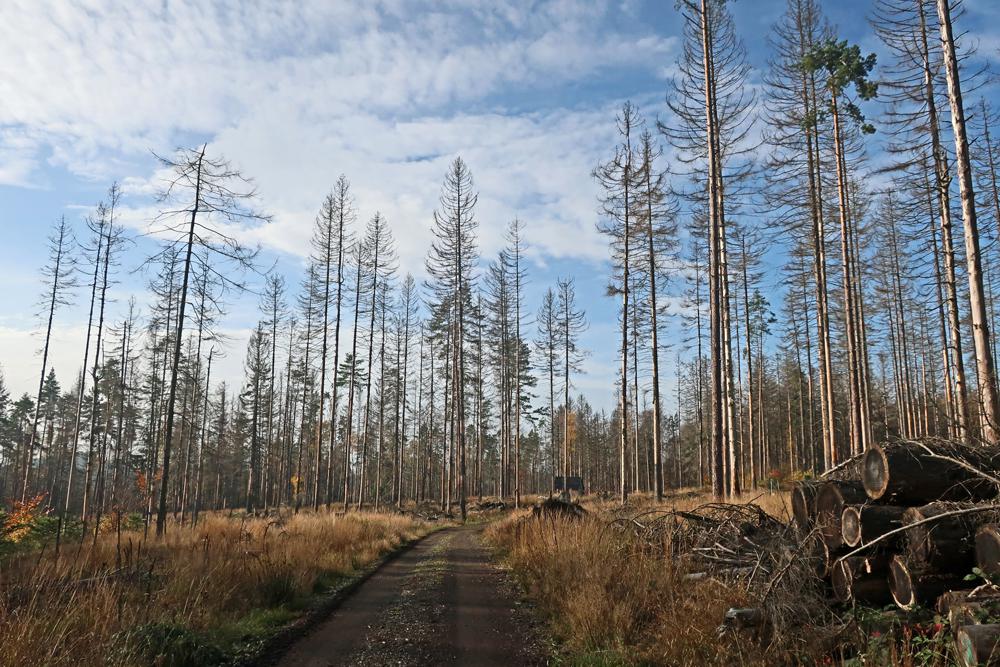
(197, 596)
(611, 599)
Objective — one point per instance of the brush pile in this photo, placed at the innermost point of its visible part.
(747, 548)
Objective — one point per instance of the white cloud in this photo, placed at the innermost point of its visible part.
(93, 78)
(297, 94)
(386, 92)
(21, 361)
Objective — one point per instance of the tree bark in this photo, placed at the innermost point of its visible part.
(985, 368)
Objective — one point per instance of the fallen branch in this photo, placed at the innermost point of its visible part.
(959, 462)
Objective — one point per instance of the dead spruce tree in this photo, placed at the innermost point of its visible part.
(330, 233)
(205, 200)
(658, 225)
(381, 253)
(59, 275)
(451, 264)
(409, 318)
(274, 310)
(103, 226)
(712, 121)
(546, 344)
(985, 367)
(620, 181)
(571, 323)
(914, 91)
(349, 373)
(794, 180)
(515, 244)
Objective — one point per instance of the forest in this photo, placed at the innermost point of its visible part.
(802, 259)
(357, 390)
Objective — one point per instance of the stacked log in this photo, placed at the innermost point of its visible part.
(866, 522)
(861, 579)
(831, 499)
(904, 522)
(915, 520)
(948, 543)
(988, 548)
(805, 492)
(906, 473)
(978, 645)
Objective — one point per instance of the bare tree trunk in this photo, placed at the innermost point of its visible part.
(654, 342)
(986, 370)
(97, 353)
(161, 513)
(368, 380)
(942, 179)
(850, 311)
(59, 250)
(350, 391)
(201, 444)
(341, 223)
(718, 429)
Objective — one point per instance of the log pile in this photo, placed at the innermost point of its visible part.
(908, 528)
(904, 523)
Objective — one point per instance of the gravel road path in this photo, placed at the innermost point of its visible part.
(442, 602)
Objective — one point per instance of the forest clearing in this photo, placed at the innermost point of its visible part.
(570, 332)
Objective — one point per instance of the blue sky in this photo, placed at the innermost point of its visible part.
(386, 92)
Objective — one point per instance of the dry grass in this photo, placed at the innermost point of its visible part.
(777, 505)
(199, 595)
(612, 599)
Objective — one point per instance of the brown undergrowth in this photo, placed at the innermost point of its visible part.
(204, 595)
(612, 599)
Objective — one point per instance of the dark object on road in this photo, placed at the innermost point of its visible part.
(488, 505)
(558, 507)
(571, 484)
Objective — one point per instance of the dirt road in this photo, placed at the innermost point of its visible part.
(443, 602)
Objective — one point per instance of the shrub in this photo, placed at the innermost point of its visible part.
(165, 645)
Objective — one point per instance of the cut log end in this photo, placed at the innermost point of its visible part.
(860, 524)
(850, 526)
(988, 548)
(804, 503)
(842, 580)
(901, 584)
(978, 645)
(831, 500)
(911, 585)
(860, 579)
(875, 472)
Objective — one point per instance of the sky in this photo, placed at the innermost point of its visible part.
(387, 92)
